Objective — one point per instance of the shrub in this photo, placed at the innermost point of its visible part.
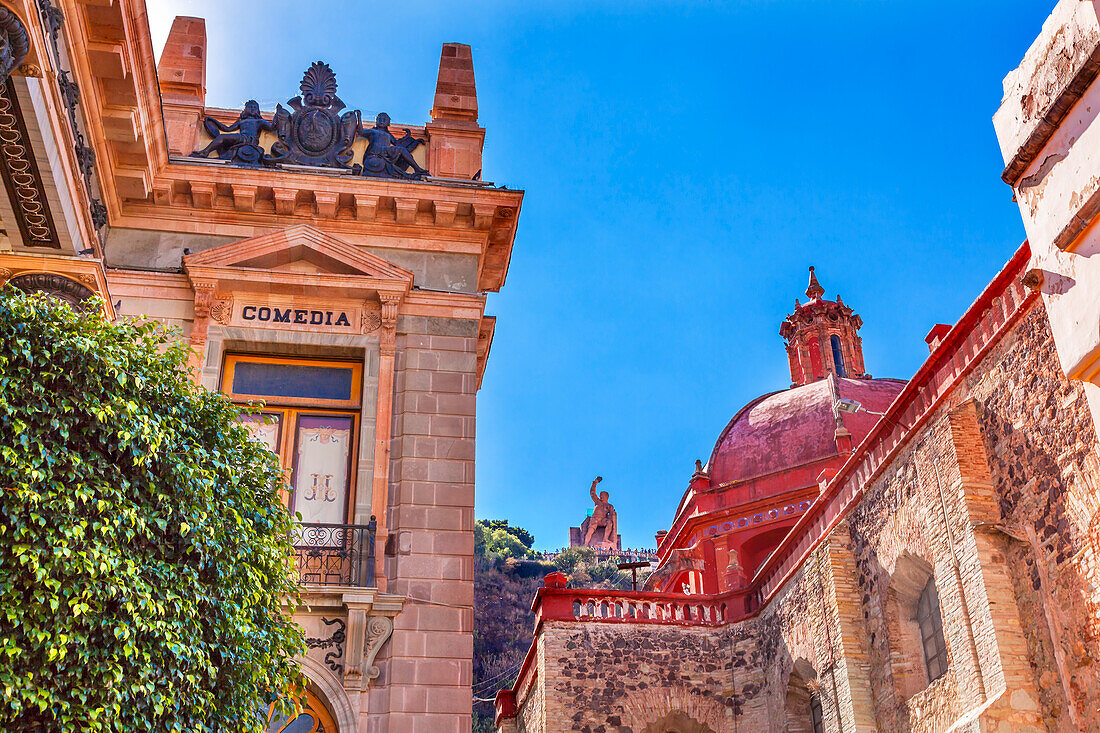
(145, 566)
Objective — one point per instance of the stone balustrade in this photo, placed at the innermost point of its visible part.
(555, 602)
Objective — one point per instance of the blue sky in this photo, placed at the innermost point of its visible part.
(683, 163)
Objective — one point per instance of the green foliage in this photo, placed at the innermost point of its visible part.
(495, 537)
(586, 570)
(145, 559)
(519, 533)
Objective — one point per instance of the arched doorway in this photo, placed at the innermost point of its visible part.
(310, 717)
(57, 286)
(677, 721)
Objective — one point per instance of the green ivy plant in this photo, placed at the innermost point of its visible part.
(146, 574)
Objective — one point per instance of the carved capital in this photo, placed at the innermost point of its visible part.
(204, 302)
(389, 310)
(5, 275)
(204, 299)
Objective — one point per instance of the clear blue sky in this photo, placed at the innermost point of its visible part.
(683, 165)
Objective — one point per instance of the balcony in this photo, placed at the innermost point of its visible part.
(336, 554)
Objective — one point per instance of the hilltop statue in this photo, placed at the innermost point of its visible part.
(601, 529)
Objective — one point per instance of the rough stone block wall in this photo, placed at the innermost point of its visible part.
(427, 669)
(1041, 443)
(995, 497)
(626, 677)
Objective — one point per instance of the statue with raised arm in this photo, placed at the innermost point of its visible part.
(238, 142)
(603, 517)
(387, 156)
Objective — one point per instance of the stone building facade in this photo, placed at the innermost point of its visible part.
(313, 260)
(942, 572)
(977, 490)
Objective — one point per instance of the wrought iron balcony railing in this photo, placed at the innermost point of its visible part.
(336, 554)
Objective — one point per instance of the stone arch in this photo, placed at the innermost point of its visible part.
(644, 711)
(54, 285)
(677, 721)
(912, 573)
(325, 685)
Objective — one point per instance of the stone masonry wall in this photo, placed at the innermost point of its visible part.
(1041, 445)
(995, 498)
(427, 670)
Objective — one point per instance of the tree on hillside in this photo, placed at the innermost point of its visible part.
(495, 537)
(145, 558)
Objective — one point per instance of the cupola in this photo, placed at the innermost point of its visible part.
(822, 338)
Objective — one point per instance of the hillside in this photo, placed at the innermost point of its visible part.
(507, 572)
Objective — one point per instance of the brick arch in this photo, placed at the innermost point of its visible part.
(677, 721)
(646, 710)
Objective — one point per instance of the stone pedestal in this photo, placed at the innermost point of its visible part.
(576, 536)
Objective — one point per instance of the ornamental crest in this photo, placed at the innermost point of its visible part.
(315, 133)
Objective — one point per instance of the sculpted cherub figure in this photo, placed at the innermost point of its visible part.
(387, 156)
(603, 517)
(240, 140)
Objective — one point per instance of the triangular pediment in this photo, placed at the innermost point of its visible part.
(301, 250)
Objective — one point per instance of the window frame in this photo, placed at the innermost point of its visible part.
(353, 456)
(231, 361)
(836, 347)
(929, 619)
(817, 713)
(289, 410)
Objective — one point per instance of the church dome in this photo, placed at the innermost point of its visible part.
(795, 427)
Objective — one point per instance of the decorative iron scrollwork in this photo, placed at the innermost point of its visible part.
(336, 639)
(52, 20)
(314, 132)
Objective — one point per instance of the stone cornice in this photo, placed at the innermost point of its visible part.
(144, 188)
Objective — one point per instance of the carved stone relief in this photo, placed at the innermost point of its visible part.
(314, 132)
(57, 286)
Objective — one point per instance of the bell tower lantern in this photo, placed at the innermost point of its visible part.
(822, 338)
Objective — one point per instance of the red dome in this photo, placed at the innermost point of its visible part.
(794, 427)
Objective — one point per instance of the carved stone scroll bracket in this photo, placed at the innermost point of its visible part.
(204, 304)
(390, 303)
(357, 630)
(379, 629)
(5, 275)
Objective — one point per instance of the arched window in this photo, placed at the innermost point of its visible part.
(817, 716)
(838, 356)
(931, 631)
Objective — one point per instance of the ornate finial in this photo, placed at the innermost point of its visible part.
(318, 85)
(814, 289)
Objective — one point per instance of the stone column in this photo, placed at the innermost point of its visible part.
(383, 430)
